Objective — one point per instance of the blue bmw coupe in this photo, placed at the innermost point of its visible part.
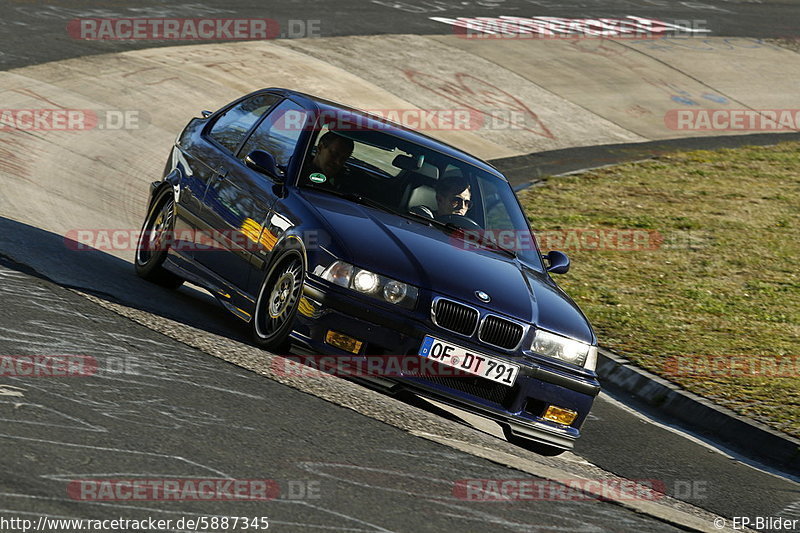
(333, 231)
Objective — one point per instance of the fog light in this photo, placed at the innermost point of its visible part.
(343, 342)
(559, 415)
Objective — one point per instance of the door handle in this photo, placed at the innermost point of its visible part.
(221, 173)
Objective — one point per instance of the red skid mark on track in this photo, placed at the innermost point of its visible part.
(229, 67)
(32, 93)
(146, 69)
(478, 95)
(163, 80)
(10, 160)
(139, 71)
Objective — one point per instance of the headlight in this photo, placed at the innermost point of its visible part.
(339, 273)
(565, 349)
(395, 291)
(365, 281)
(375, 285)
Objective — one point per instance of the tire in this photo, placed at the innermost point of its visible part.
(276, 306)
(154, 241)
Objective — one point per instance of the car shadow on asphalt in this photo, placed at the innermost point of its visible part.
(58, 259)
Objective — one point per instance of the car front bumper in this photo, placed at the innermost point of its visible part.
(394, 332)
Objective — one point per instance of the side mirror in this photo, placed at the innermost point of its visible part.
(206, 114)
(559, 262)
(263, 162)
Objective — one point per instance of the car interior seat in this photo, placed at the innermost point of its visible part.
(420, 185)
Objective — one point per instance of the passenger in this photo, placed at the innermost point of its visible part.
(453, 197)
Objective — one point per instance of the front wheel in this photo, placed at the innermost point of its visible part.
(277, 302)
(154, 241)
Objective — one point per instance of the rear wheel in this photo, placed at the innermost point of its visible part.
(154, 241)
(277, 302)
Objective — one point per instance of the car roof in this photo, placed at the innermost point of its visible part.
(323, 106)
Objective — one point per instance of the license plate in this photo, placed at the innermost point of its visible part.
(468, 361)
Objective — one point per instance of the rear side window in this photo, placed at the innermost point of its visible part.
(279, 132)
(233, 125)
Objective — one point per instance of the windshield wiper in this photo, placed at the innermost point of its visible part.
(453, 228)
(357, 198)
(495, 246)
(428, 220)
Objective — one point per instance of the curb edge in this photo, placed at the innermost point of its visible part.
(699, 414)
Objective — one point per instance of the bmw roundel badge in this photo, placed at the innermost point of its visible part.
(482, 296)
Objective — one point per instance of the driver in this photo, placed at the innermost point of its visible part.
(453, 196)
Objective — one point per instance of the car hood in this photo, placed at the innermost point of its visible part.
(433, 259)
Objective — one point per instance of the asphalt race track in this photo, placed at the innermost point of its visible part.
(180, 393)
(191, 415)
(37, 30)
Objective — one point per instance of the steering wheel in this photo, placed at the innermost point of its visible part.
(461, 221)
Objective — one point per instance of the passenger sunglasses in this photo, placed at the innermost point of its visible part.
(457, 201)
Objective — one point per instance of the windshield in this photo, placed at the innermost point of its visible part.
(386, 171)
